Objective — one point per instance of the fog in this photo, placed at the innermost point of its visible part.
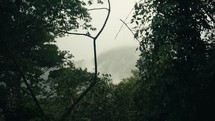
(118, 62)
(116, 56)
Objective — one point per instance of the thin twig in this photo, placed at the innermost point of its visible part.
(81, 34)
(97, 9)
(125, 20)
(123, 24)
(129, 30)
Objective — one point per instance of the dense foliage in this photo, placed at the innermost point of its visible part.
(177, 60)
(174, 80)
(28, 29)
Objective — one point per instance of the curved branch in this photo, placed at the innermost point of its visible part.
(95, 38)
(105, 22)
(92, 84)
(102, 28)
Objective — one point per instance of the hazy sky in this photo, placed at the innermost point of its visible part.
(81, 46)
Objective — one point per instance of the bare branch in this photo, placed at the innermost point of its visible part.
(79, 34)
(129, 30)
(102, 28)
(92, 84)
(98, 9)
(125, 20)
(105, 22)
(123, 24)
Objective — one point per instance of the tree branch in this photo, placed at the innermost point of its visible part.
(97, 9)
(79, 34)
(125, 20)
(123, 24)
(105, 22)
(43, 116)
(129, 30)
(92, 84)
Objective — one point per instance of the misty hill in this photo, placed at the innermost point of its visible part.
(118, 62)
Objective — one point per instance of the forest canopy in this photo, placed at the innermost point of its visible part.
(176, 64)
(28, 51)
(174, 79)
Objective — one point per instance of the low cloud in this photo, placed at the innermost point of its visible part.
(118, 62)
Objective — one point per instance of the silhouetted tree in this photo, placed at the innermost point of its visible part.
(27, 50)
(177, 60)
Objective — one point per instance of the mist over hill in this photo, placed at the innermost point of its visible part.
(118, 62)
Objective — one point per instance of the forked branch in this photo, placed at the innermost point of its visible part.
(92, 84)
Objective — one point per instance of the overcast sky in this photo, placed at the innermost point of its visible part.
(81, 47)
